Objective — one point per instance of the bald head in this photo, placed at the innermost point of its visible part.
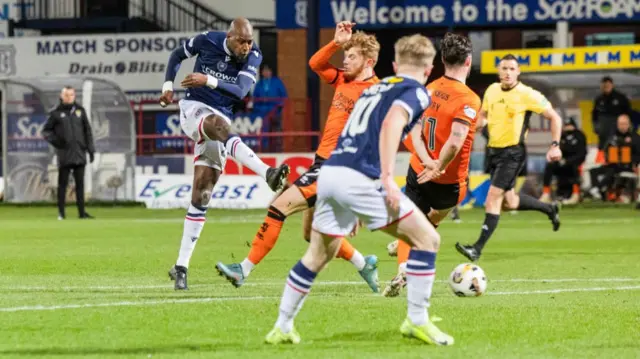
(241, 26)
(240, 37)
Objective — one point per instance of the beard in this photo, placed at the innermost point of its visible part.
(350, 75)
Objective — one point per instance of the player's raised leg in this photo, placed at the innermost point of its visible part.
(204, 178)
(220, 87)
(217, 128)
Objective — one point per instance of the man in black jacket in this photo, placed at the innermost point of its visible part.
(606, 108)
(68, 130)
(622, 153)
(573, 145)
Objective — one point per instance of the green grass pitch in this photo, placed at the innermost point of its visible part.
(99, 289)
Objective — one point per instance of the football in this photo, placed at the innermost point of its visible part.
(468, 280)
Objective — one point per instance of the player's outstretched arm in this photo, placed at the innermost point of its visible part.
(179, 54)
(246, 78)
(239, 89)
(319, 62)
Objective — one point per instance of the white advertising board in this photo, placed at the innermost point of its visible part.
(174, 191)
(136, 62)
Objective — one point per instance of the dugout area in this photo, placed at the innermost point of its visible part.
(29, 165)
(572, 95)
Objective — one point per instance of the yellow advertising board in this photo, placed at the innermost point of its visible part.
(569, 59)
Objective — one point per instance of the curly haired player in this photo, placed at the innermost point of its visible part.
(360, 56)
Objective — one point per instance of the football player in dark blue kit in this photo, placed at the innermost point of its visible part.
(357, 183)
(225, 69)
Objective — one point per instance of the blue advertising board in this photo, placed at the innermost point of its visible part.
(291, 14)
(25, 133)
(168, 124)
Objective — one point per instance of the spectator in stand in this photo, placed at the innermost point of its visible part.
(606, 108)
(268, 99)
(622, 154)
(269, 92)
(573, 145)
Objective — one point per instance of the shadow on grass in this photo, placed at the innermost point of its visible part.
(159, 349)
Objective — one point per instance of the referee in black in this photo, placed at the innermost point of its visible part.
(68, 130)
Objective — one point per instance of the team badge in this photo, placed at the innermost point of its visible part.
(469, 112)
(78, 113)
(222, 66)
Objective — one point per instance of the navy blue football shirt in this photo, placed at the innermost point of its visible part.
(235, 76)
(358, 146)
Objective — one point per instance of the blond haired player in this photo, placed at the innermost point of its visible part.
(357, 183)
(360, 56)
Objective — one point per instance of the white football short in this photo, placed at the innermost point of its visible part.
(344, 195)
(207, 153)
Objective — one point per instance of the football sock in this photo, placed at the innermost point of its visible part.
(421, 273)
(265, 238)
(546, 190)
(528, 203)
(349, 253)
(295, 291)
(489, 225)
(245, 155)
(404, 248)
(346, 250)
(403, 251)
(193, 223)
(575, 189)
(246, 266)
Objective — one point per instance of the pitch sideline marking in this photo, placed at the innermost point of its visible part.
(222, 299)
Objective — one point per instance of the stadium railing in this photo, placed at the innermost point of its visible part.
(266, 124)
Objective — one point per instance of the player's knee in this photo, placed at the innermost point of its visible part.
(215, 128)
(288, 204)
(434, 239)
(201, 195)
(205, 197)
(281, 205)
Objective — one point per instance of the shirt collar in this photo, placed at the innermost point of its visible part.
(407, 77)
(226, 49)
